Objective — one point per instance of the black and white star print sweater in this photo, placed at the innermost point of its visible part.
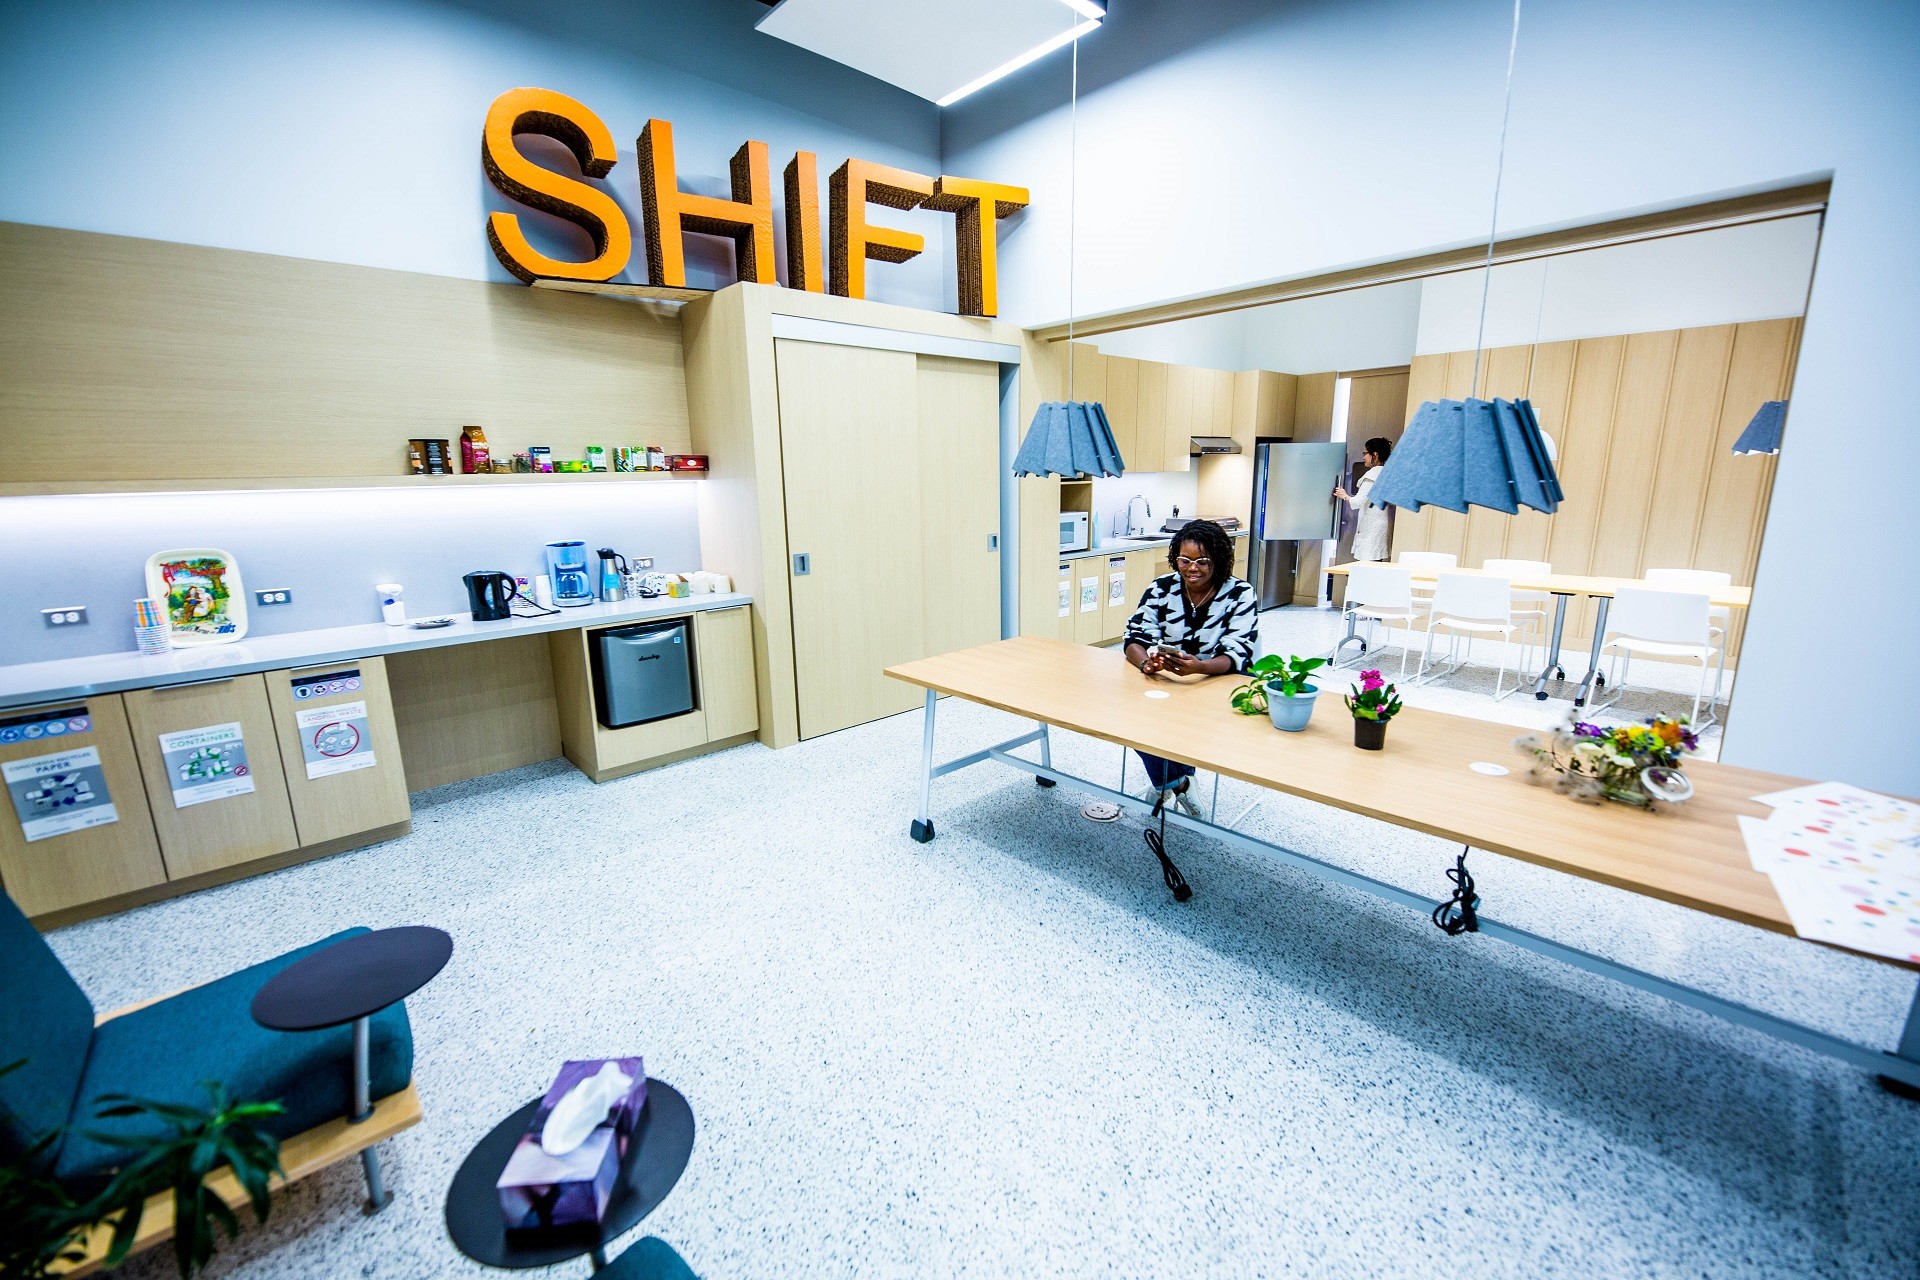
(1229, 625)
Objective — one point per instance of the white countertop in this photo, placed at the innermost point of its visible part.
(33, 682)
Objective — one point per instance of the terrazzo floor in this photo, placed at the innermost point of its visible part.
(1010, 1053)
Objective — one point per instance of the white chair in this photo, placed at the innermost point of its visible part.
(1535, 606)
(1666, 624)
(1380, 593)
(1702, 580)
(1425, 560)
(1471, 605)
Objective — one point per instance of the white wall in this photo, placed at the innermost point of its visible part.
(1246, 141)
(1726, 276)
(1163, 490)
(1358, 329)
(349, 130)
(1208, 342)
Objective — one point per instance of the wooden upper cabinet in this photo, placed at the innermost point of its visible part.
(1184, 387)
(1085, 377)
(1123, 408)
(1223, 384)
(1150, 420)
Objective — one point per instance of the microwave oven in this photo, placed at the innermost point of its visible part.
(1073, 531)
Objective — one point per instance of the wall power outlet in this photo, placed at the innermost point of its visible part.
(73, 615)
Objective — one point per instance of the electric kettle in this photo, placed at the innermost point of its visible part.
(490, 595)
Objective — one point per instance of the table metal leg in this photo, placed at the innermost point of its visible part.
(1593, 676)
(1046, 755)
(1353, 635)
(378, 1197)
(1553, 668)
(922, 829)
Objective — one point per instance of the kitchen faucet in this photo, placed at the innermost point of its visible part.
(1135, 530)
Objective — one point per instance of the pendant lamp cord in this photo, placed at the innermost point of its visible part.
(1073, 194)
(1499, 170)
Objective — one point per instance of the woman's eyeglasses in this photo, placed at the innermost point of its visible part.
(1182, 562)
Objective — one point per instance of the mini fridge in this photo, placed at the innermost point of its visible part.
(642, 672)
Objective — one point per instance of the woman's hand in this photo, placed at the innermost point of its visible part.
(1342, 494)
(1155, 662)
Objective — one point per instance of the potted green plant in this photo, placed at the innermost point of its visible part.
(1279, 687)
(1373, 702)
(46, 1226)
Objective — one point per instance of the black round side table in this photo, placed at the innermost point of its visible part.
(656, 1157)
(351, 981)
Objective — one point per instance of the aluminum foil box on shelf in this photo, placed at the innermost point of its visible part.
(540, 1191)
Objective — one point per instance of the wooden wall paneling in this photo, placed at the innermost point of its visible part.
(1279, 401)
(861, 607)
(734, 410)
(214, 833)
(723, 652)
(1687, 437)
(57, 872)
(1312, 420)
(464, 711)
(1426, 380)
(573, 689)
(1639, 414)
(128, 359)
(1122, 377)
(1183, 389)
(1150, 422)
(336, 806)
(1447, 530)
(959, 500)
(1549, 383)
(1738, 489)
(1504, 372)
(1584, 449)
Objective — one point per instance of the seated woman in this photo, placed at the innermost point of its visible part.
(1197, 620)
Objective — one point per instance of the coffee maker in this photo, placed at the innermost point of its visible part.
(567, 567)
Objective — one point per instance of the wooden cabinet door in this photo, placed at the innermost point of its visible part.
(1085, 379)
(1089, 597)
(1123, 409)
(1220, 384)
(207, 835)
(850, 456)
(959, 426)
(723, 649)
(1150, 420)
(1115, 604)
(58, 869)
(336, 795)
(1183, 392)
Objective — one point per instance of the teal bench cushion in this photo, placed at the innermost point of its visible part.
(46, 1024)
(164, 1051)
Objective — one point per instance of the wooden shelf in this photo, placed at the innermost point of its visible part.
(630, 292)
(226, 484)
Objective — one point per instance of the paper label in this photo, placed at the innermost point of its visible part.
(206, 764)
(1066, 592)
(1117, 587)
(335, 739)
(307, 688)
(1089, 595)
(58, 793)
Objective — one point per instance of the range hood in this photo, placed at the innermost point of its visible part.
(1202, 446)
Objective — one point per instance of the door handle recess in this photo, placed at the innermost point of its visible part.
(802, 564)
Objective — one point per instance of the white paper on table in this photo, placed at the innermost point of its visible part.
(1833, 793)
(1873, 914)
(1798, 837)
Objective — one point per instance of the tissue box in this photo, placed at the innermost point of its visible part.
(538, 1190)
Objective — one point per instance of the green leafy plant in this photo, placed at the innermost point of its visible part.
(47, 1227)
(1373, 698)
(1284, 676)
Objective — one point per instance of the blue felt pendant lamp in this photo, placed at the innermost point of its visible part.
(1461, 453)
(1763, 433)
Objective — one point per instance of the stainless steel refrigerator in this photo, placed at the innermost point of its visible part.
(1293, 504)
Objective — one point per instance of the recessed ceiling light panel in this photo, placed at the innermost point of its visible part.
(940, 50)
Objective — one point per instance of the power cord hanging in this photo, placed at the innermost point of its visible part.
(1157, 841)
(1457, 914)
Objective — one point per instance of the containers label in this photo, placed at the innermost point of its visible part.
(335, 739)
(58, 793)
(206, 764)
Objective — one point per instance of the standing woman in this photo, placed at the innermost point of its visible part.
(1370, 531)
(1197, 620)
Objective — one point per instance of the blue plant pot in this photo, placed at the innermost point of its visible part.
(1290, 713)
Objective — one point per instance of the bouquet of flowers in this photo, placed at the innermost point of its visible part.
(1635, 764)
(1373, 698)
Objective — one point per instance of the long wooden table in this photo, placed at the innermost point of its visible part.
(1694, 857)
(1563, 587)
